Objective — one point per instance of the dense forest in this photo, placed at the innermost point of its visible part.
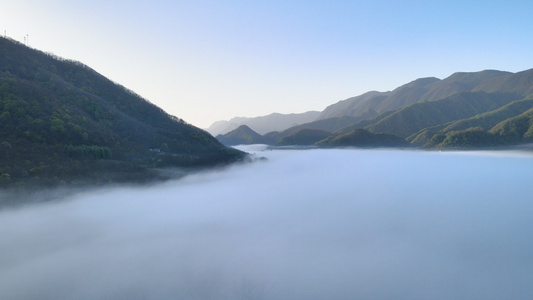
(63, 122)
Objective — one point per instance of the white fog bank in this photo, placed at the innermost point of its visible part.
(305, 224)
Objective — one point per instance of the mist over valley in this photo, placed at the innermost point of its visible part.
(302, 224)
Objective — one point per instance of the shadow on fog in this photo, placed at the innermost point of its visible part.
(314, 224)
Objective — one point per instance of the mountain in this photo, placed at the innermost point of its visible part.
(484, 121)
(515, 130)
(519, 83)
(330, 124)
(242, 135)
(264, 124)
(304, 137)
(423, 89)
(478, 109)
(355, 106)
(460, 111)
(64, 122)
(415, 117)
(363, 138)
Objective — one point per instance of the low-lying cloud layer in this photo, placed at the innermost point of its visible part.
(315, 224)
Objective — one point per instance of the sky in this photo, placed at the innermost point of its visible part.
(205, 61)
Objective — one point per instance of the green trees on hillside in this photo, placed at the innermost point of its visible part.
(93, 151)
(470, 138)
(364, 138)
(304, 137)
(59, 113)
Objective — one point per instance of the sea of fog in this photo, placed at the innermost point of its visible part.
(303, 224)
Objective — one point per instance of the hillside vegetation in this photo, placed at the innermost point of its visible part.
(304, 137)
(466, 110)
(364, 139)
(423, 89)
(62, 122)
(241, 135)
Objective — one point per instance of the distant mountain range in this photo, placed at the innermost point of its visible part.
(479, 109)
(264, 124)
(62, 122)
(423, 89)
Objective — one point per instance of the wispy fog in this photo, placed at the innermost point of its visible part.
(305, 224)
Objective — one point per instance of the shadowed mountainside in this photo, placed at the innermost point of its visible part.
(63, 122)
(241, 135)
(423, 89)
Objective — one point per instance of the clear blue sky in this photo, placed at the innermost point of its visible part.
(205, 61)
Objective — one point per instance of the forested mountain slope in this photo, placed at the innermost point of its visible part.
(415, 117)
(58, 115)
(423, 89)
(480, 109)
(241, 135)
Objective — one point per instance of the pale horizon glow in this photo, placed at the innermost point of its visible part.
(205, 61)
